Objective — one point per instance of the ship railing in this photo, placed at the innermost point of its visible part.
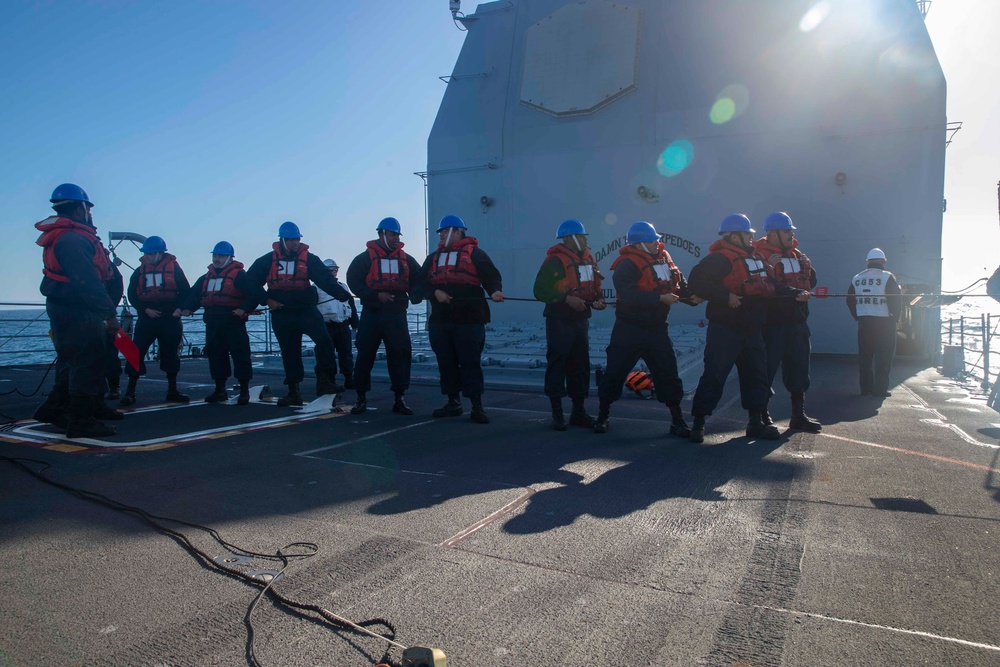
(967, 348)
(25, 338)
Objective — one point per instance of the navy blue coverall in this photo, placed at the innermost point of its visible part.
(166, 329)
(382, 323)
(457, 330)
(298, 315)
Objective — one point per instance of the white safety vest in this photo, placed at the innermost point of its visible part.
(869, 293)
(333, 310)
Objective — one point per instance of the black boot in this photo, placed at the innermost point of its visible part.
(128, 398)
(293, 397)
(453, 408)
(400, 407)
(324, 385)
(360, 405)
(678, 426)
(579, 416)
(766, 418)
(174, 396)
(698, 429)
(113, 389)
(220, 394)
(81, 420)
(244, 397)
(102, 410)
(558, 419)
(603, 422)
(799, 418)
(478, 414)
(756, 428)
(55, 410)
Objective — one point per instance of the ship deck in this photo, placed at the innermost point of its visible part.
(872, 543)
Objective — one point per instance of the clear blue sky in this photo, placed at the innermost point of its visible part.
(212, 120)
(203, 121)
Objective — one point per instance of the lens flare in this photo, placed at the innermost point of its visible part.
(722, 111)
(611, 219)
(731, 101)
(815, 16)
(675, 158)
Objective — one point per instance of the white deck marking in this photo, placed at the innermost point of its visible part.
(876, 626)
(309, 452)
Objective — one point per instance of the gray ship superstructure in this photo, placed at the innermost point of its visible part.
(680, 112)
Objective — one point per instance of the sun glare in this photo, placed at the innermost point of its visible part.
(815, 16)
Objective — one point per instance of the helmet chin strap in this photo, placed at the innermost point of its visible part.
(229, 258)
(447, 238)
(576, 242)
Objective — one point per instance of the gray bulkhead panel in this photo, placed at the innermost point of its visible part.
(679, 113)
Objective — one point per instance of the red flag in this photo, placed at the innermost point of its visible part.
(127, 348)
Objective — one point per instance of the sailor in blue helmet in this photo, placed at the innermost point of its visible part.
(875, 303)
(786, 335)
(76, 268)
(569, 284)
(155, 289)
(647, 283)
(289, 271)
(737, 283)
(226, 296)
(455, 276)
(340, 317)
(384, 277)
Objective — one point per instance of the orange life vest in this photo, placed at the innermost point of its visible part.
(790, 267)
(219, 287)
(658, 273)
(288, 274)
(157, 281)
(54, 227)
(389, 271)
(453, 266)
(749, 275)
(582, 277)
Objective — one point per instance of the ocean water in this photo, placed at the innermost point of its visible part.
(24, 334)
(963, 324)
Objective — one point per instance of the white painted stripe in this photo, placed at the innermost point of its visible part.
(367, 437)
(42, 436)
(940, 420)
(960, 433)
(876, 626)
(911, 452)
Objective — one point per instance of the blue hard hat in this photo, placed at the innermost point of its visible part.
(289, 230)
(389, 225)
(451, 221)
(223, 248)
(570, 228)
(69, 192)
(642, 232)
(153, 244)
(778, 220)
(737, 222)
